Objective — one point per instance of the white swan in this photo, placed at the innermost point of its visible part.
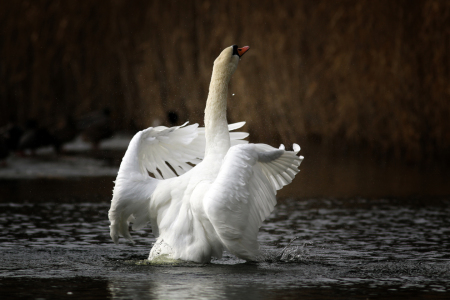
(218, 204)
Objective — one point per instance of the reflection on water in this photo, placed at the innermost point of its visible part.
(346, 249)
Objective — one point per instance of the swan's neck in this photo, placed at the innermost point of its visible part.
(216, 125)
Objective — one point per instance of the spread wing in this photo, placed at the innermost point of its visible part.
(181, 147)
(243, 195)
(132, 191)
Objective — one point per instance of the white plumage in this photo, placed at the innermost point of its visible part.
(197, 212)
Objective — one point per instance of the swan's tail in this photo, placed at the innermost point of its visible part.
(132, 192)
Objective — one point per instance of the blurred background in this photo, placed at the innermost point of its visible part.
(362, 86)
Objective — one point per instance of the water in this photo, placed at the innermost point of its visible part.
(344, 249)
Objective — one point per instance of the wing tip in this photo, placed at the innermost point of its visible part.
(235, 126)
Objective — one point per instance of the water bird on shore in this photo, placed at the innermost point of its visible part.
(4, 151)
(10, 136)
(12, 133)
(34, 137)
(96, 126)
(198, 212)
(172, 117)
(64, 131)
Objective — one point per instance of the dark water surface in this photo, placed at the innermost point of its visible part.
(354, 249)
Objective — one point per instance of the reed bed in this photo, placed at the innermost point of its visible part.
(348, 74)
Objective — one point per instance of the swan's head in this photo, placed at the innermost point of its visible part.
(226, 63)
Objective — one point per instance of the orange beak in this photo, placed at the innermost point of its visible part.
(241, 51)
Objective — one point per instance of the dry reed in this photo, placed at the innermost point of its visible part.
(360, 73)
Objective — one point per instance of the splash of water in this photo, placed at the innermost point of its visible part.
(290, 253)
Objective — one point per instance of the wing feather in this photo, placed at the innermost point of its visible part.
(170, 152)
(244, 193)
(132, 191)
(235, 126)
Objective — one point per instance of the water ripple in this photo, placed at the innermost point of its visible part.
(371, 242)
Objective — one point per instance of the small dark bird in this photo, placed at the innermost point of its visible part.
(4, 151)
(96, 127)
(11, 134)
(9, 139)
(63, 132)
(173, 118)
(35, 137)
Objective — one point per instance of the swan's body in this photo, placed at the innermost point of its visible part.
(218, 204)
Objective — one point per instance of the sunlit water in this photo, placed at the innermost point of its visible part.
(344, 249)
